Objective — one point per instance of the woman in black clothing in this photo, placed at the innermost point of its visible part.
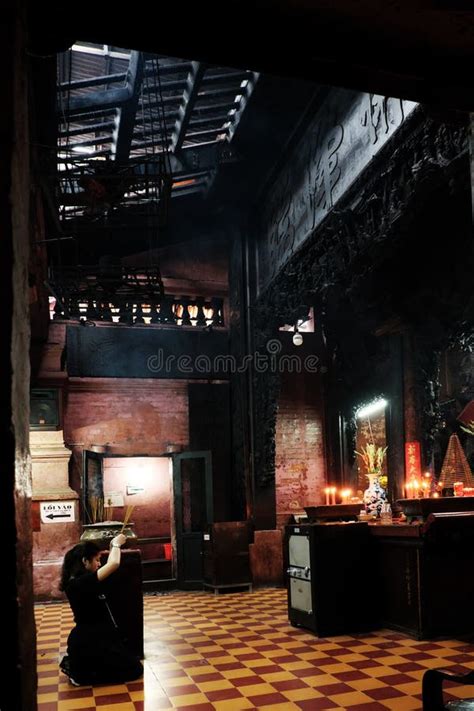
(96, 653)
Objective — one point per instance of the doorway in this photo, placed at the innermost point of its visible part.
(193, 501)
(170, 500)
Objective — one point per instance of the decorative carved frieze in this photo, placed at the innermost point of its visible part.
(353, 242)
(347, 132)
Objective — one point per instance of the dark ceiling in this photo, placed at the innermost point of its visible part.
(135, 131)
(415, 49)
(151, 112)
(223, 93)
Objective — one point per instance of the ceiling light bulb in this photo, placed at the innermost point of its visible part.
(297, 339)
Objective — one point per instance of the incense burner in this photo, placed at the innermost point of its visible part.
(103, 532)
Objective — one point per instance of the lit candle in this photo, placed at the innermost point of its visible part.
(416, 487)
(327, 491)
(409, 490)
(428, 483)
(345, 494)
(333, 492)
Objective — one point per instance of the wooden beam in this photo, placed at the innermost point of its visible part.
(190, 95)
(209, 108)
(125, 120)
(143, 133)
(84, 158)
(175, 84)
(226, 78)
(176, 99)
(218, 93)
(171, 68)
(88, 128)
(219, 116)
(246, 93)
(205, 132)
(92, 81)
(144, 145)
(99, 115)
(95, 101)
(91, 142)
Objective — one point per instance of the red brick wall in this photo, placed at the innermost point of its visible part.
(133, 416)
(124, 416)
(300, 473)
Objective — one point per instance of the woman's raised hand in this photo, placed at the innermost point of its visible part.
(118, 540)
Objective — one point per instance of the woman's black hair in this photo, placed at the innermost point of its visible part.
(73, 564)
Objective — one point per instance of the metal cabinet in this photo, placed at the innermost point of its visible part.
(330, 586)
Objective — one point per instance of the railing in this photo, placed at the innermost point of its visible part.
(128, 295)
(176, 311)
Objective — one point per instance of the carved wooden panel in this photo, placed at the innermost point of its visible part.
(347, 132)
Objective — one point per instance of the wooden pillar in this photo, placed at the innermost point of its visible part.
(16, 593)
(471, 156)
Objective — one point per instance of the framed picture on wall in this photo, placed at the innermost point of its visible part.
(44, 409)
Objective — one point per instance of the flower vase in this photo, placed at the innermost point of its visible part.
(374, 496)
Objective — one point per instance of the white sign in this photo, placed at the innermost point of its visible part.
(57, 511)
(134, 489)
(113, 498)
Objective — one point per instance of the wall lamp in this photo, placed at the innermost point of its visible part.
(372, 408)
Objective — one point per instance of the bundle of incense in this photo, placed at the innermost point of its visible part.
(96, 506)
(128, 513)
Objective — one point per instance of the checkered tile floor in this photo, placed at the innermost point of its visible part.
(237, 651)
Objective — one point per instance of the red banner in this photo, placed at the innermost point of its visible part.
(412, 460)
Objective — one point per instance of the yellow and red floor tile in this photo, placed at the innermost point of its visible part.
(229, 652)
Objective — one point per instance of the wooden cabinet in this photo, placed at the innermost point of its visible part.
(226, 555)
(425, 578)
(414, 578)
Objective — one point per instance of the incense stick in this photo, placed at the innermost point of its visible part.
(128, 513)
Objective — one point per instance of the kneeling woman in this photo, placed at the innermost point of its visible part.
(96, 653)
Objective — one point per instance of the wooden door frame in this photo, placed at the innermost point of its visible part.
(177, 458)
